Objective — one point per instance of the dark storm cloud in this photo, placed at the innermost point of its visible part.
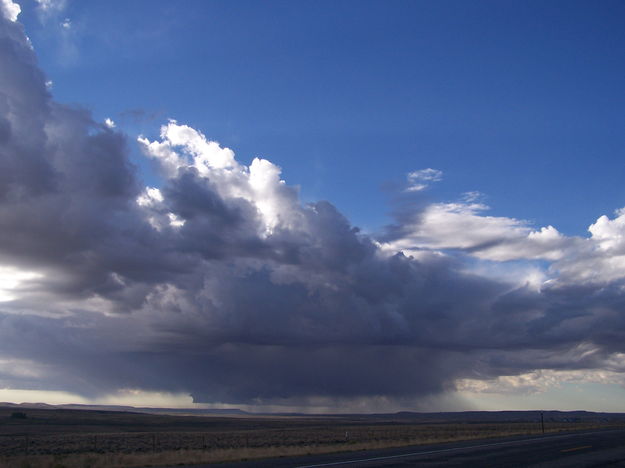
(223, 285)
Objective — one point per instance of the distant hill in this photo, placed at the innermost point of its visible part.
(476, 416)
(130, 409)
(467, 417)
(511, 416)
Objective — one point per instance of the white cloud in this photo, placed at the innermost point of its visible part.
(150, 197)
(10, 10)
(462, 226)
(175, 221)
(182, 148)
(12, 280)
(15, 395)
(109, 123)
(146, 398)
(599, 259)
(123, 397)
(66, 23)
(466, 228)
(206, 154)
(539, 381)
(421, 179)
(609, 234)
(169, 160)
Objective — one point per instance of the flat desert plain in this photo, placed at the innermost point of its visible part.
(66, 438)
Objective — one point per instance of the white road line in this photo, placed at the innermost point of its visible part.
(390, 457)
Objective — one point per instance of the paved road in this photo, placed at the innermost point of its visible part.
(603, 448)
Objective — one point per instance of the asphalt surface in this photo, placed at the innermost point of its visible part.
(602, 448)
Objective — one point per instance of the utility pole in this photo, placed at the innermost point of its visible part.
(542, 422)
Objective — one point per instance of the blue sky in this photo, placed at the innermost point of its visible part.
(477, 145)
(521, 101)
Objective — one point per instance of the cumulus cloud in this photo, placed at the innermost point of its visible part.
(220, 283)
(463, 226)
(10, 10)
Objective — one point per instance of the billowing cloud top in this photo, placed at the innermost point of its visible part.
(223, 284)
(9, 10)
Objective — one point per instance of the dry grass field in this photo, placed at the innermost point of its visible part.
(74, 438)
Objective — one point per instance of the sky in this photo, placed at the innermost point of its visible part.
(330, 206)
